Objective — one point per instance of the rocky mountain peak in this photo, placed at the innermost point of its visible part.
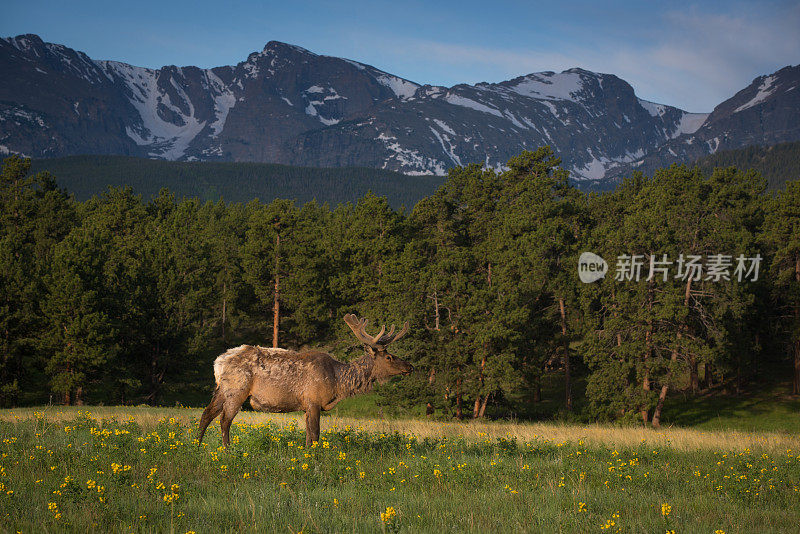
(281, 47)
(286, 104)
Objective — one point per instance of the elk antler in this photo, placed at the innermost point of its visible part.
(378, 341)
(391, 337)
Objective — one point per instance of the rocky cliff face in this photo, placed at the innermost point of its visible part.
(766, 112)
(288, 105)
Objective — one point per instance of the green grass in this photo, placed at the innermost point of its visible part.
(767, 409)
(267, 482)
(365, 405)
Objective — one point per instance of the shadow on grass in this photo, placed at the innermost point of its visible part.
(766, 410)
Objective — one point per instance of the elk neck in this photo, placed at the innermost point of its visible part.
(355, 377)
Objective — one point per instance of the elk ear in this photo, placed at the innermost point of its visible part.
(371, 351)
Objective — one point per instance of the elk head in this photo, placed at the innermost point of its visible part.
(386, 364)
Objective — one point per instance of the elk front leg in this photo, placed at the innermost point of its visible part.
(312, 425)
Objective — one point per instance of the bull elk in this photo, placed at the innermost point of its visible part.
(281, 380)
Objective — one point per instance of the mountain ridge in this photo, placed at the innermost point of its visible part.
(288, 105)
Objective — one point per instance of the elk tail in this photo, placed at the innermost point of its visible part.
(219, 363)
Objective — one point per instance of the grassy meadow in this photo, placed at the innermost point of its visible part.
(140, 469)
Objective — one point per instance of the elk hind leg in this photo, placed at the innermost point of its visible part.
(312, 425)
(231, 406)
(213, 409)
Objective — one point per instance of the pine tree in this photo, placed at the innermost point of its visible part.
(782, 235)
(34, 216)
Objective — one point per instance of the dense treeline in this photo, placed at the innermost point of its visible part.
(120, 300)
(777, 163)
(87, 176)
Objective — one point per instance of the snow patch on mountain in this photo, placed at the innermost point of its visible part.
(655, 110)
(311, 108)
(17, 114)
(167, 139)
(594, 169)
(448, 148)
(444, 126)
(402, 88)
(510, 116)
(5, 151)
(550, 86)
(327, 122)
(458, 100)
(411, 161)
(551, 107)
(690, 123)
(21, 42)
(251, 69)
(224, 100)
(356, 64)
(764, 90)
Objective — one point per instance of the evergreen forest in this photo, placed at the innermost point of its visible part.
(120, 298)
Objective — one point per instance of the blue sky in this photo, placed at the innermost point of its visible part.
(689, 54)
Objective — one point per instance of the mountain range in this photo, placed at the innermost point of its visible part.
(288, 105)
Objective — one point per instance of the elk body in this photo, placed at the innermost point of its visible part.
(281, 380)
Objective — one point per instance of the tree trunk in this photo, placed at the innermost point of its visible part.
(708, 373)
(477, 408)
(662, 396)
(567, 382)
(537, 390)
(659, 406)
(483, 405)
(665, 385)
(459, 411)
(616, 314)
(647, 353)
(738, 377)
(796, 376)
(79, 396)
(646, 383)
(276, 304)
(796, 380)
(276, 313)
(224, 308)
(694, 383)
(694, 375)
(436, 316)
(432, 376)
(151, 398)
(67, 397)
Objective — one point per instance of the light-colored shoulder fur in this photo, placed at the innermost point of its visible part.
(270, 351)
(219, 363)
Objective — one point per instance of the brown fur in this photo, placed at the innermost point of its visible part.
(279, 380)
